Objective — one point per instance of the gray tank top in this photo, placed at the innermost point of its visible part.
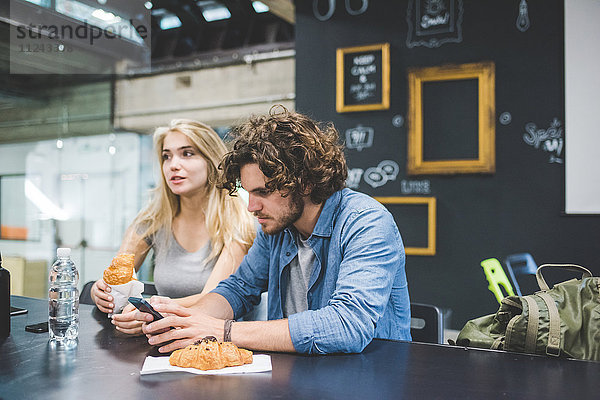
(177, 272)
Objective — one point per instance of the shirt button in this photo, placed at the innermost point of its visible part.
(287, 254)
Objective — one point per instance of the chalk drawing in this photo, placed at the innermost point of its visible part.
(548, 140)
(360, 137)
(431, 23)
(505, 118)
(375, 177)
(523, 18)
(354, 176)
(363, 7)
(398, 121)
(328, 14)
(364, 4)
(386, 171)
(390, 169)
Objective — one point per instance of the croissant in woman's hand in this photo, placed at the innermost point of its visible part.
(120, 270)
(210, 354)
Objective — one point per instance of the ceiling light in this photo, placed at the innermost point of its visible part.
(169, 21)
(100, 18)
(41, 3)
(148, 5)
(105, 16)
(260, 7)
(213, 10)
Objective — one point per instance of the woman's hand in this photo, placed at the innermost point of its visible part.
(101, 297)
(126, 321)
(189, 325)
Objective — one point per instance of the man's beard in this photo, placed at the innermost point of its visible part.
(292, 214)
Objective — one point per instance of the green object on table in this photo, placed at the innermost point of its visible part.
(495, 276)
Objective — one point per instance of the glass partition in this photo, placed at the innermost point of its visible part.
(79, 192)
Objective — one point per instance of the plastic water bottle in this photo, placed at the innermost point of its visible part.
(63, 300)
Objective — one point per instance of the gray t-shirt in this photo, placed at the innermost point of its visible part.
(299, 271)
(177, 272)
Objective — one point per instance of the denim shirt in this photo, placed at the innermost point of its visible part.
(357, 290)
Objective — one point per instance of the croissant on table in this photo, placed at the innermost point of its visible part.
(120, 270)
(208, 353)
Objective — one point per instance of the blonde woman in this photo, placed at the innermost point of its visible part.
(198, 232)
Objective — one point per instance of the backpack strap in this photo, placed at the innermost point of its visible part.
(532, 325)
(498, 343)
(553, 348)
(542, 282)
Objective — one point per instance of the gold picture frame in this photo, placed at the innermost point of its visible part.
(484, 72)
(342, 103)
(431, 222)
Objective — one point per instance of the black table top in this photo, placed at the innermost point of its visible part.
(106, 365)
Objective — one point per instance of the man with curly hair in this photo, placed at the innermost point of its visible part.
(331, 259)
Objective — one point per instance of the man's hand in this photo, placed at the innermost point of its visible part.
(130, 320)
(126, 321)
(101, 297)
(189, 325)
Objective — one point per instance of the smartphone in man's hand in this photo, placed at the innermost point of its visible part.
(144, 306)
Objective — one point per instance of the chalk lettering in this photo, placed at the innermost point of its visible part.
(534, 136)
(428, 21)
(365, 59)
(549, 140)
(363, 70)
(415, 187)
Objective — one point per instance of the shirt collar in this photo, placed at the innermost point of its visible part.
(324, 226)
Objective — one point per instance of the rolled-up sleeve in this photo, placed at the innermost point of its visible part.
(372, 254)
(243, 288)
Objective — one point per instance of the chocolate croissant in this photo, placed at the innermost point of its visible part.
(208, 353)
(120, 270)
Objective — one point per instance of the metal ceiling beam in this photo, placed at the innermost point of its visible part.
(282, 8)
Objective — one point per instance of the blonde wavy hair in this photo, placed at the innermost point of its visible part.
(227, 218)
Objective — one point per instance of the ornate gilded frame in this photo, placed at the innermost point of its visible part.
(431, 222)
(484, 72)
(340, 105)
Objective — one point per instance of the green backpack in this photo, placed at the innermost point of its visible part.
(563, 321)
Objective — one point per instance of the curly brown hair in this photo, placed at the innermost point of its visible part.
(296, 155)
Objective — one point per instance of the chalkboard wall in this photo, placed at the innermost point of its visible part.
(519, 208)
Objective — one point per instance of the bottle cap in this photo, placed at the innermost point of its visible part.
(63, 252)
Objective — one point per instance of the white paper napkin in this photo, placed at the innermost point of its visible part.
(155, 365)
(121, 294)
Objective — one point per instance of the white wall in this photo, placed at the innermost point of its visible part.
(582, 105)
(216, 96)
